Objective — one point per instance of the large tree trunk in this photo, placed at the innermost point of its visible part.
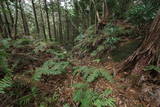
(10, 13)
(147, 53)
(24, 19)
(6, 22)
(48, 22)
(16, 18)
(35, 17)
(53, 19)
(60, 22)
(42, 21)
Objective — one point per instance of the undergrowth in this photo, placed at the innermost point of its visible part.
(90, 98)
(90, 74)
(51, 68)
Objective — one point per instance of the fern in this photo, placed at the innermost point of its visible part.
(152, 67)
(90, 74)
(66, 105)
(51, 68)
(5, 83)
(89, 98)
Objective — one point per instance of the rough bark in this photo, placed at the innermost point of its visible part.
(10, 13)
(42, 21)
(35, 17)
(60, 21)
(147, 53)
(6, 22)
(16, 18)
(48, 22)
(24, 19)
(53, 19)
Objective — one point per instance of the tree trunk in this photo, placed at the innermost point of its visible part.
(35, 17)
(147, 53)
(24, 20)
(48, 22)
(60, 21)
(6, 20)
(16, 19)
(53, 19)
(10, 13)
(3, 31)
(42, 21)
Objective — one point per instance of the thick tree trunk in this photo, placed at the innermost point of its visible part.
(24, 19)
(10, 13)
(6, 22)
(53, 19)
(35, 17)
(48, 22)
(16, 19)
(147, 53)
(42, 21)
(60, 21)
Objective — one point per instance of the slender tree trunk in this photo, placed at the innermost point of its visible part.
(24, 19)
(10, 13)
(67, 22)
(60, 21)
(53, 19)
(16, 19)
(147, 53)
(35, 17)
(42, 21)
(2, 27)
(6, 20)
(48, 22)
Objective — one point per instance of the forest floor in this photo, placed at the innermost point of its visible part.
(127, 92)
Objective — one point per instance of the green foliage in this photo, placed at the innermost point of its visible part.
(59, 54)
(21, 42)
(40, 47)
(141, 13)
(114, 30)
(89, 98)
(48, 100)
(51, 68)
(152, 67)
(90, 74)
(4, 45)
(66, 105)
(5, 83)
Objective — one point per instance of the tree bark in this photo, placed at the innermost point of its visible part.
(6, 22)
(35, 17)
(2, 27)
(24, 20)
(48, 22)
(60, 21)
(147, 53)
(16, 19)
(42, 21)
(53, 19)
(10, 13)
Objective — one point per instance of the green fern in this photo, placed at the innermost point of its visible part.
(90, 74)
(51, 68)
(89, 98)
(152, 67)
(5, 83)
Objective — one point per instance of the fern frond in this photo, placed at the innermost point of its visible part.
(90, 74)
(5, 83)
(51, 68)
